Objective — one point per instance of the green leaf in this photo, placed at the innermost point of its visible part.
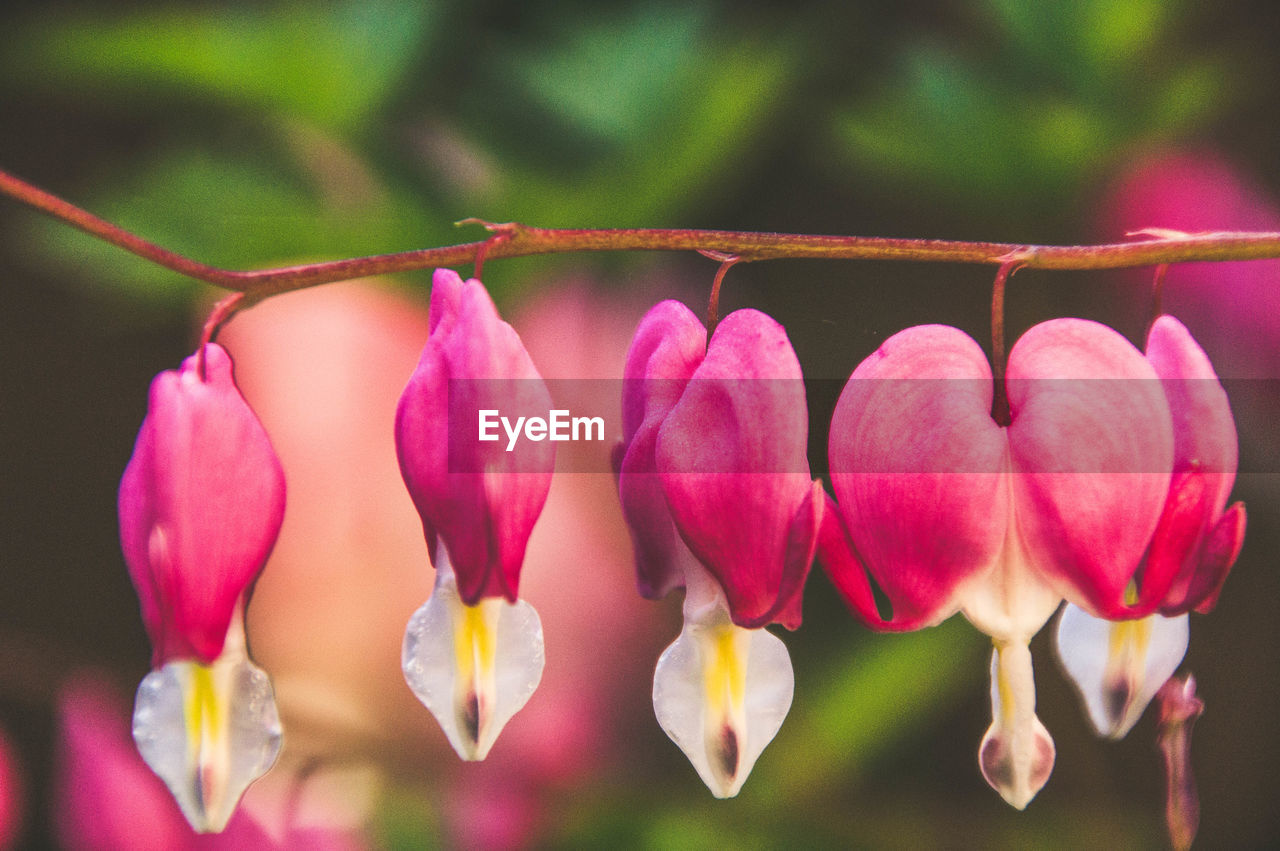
(1063, 90)
(613, 77)
(234, 213)
(1083, 41)
(330, 63)
(718, 106)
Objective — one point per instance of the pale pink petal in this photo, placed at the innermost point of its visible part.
(1092, 448)
(669, 345)
(732, 459)
(917, 465)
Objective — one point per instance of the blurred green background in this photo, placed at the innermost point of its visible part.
(249, 134)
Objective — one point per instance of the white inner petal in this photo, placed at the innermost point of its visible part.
(1017, 754)
(473, 667)
(721, 692)
(208, 731)
(1119, 666)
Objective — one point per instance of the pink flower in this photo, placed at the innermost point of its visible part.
(201, 503)
(1118, 667)
(724, 427)
(1194, 191)
(715, 485)
(1198, 538)
(478, 498)
(473, 653)
(323, 369)
(949, 511)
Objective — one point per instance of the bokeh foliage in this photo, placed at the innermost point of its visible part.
(249, 134)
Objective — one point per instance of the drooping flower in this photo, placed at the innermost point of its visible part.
(324, 370)
(1118, 666)
(201, 503)
(949, 511)
(473, 653)
(715, 485)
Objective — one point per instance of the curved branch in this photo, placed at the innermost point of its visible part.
(521, 241)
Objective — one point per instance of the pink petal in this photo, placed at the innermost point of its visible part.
(917, 466)
(1205, 460)
(1219, 555)
(481, 499)
(1204, 430)
(732, 457)
(1092, 457)
(201, 503)
(668, 346)
(802, 546)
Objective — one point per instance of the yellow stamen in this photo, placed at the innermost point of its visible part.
(725, 670)
(204, 712)
(475, 647)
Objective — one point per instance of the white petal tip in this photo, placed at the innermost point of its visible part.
(1117, 667)
(1017, 768)
(1017, 754)
(473, 667)
(207, 731)
(721, 693)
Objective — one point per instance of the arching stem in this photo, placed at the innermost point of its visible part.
(1000, 398)
(713, 303)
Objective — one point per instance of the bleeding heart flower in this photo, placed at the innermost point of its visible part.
(949, 511)
(1118, 667)
(473, 653)
(715, 485)
(201, 503)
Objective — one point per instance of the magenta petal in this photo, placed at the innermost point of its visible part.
(1174, 556)
(1092, 457)
(1219, 555)
(802, 546)
(917, 465)
(11, 794)
(201, 503)
(732, 457)
(481, 499)
(1203, 429)
(668, 346)
(849, 576)
(1181, 572)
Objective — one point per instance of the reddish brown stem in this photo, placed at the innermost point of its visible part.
(1000, 397)
(523, 241)
(219, 316)
(713, 303)
(1179, 709)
